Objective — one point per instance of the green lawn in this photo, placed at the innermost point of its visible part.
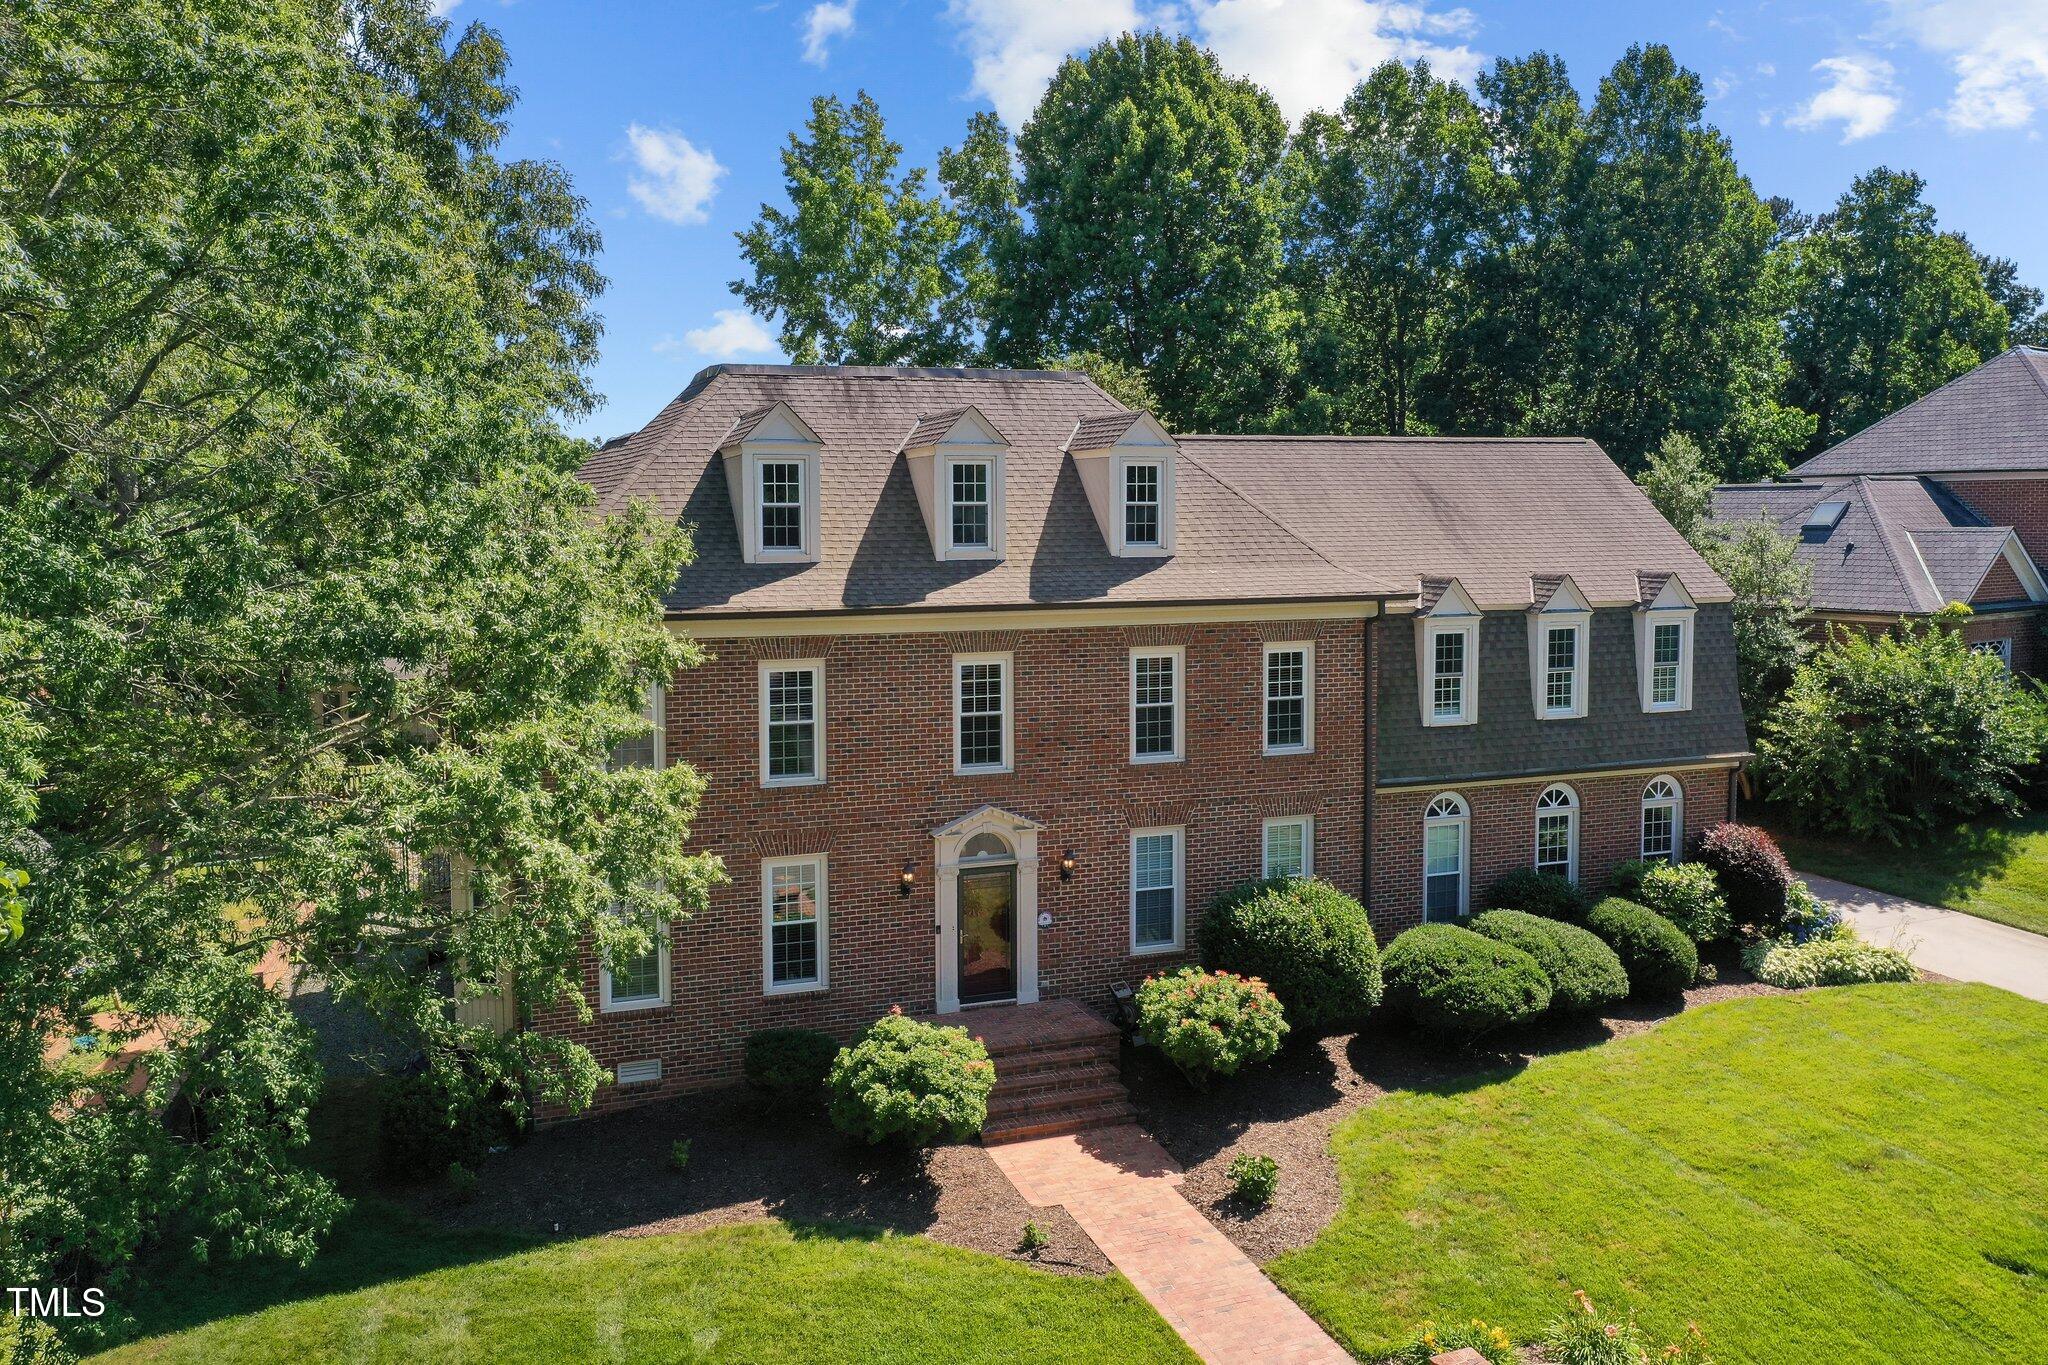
(758, 1292)
(1853, 1174)
(1994, 871)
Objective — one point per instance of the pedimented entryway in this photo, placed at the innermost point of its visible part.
(986, 907)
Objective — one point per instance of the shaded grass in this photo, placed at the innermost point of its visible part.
(1845, 1174)
(1995, 871)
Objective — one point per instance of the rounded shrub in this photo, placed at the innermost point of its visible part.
(1452, 981)
(789, 1063)
(1659, 959)
(1210, 1023)
(1688, 894)
(1584, 973)
(1308, 941)
(1752, 872)
(1539, 893)
(911, 1081)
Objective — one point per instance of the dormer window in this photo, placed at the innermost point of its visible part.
(956, 465)
(772, 462)
(1447, 653)
(782, 507)
(972, 487)
(1664, 643)
(1126, 462)
(1560, 633)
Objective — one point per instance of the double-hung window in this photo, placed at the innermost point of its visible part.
(1290, 698)
(972, 483)
(1290, 847)
(638, 981)
(981, 713)
(793, 898)
(1667, 660)
(1557, 832)
(782, 506)
(1663, 819)
(646, 749)
(1561, 670)
(1157, 869)
(1156, 704)
(1142, 504)
(792, 730)
(1446, 830)
(1450, 675)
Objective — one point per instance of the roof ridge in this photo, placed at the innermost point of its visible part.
(1903, 409)
(1886, 531)
(1352, 436)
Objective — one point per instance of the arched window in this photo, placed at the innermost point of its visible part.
(1557, 832)
(1446, 838)
(986, 847)
(1663, 818)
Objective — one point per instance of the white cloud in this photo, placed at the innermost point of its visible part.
(1859, 95)
(833, 19)
(733, 332)
(439, 8)
(1307, 53)
(677, 181)
(1996, 49)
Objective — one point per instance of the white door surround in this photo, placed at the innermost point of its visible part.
(1021, 835)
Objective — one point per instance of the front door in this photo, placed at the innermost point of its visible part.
(988, 935)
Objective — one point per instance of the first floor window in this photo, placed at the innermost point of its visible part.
(1288, 685)
(789, 722)
(971, 505)
(1557, 832)
(2001, 647)
(1446, 825)
(1155, 889)
(1667, 657)
(782, 506)
(638, 981)
(1155, 706)
(1663, 818)
(644, 750)
(793, 912)
(1141, 504)
(1290, 847)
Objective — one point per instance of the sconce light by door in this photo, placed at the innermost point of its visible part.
(909, 879)
(1067, 866)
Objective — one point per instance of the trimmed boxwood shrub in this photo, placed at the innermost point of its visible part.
(1539, 893)
(1659, 959)
(1452, 981)
(911, 1081)
(1210, 1023)
(789, 1063)
(1752, 872)
(1308, 941)
(1584, 973)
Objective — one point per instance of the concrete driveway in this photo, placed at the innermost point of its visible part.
(1944, 941)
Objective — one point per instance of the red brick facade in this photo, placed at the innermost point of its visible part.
(2000, 584)
(2019, 503)
(1502, 835)
(2023, 628)
(890, 783)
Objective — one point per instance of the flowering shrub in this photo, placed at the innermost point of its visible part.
(913, 1081)
(1308, 941)
(1658, 957)
(1840, 959)
(1254, 1178)
(1582, 1337)
(1752, 872)
(1584, 973)
(1539, 893)
(1210, 1023)
(1451, 980)
(1807, 916)
(1689, 895)
(1490, 1341)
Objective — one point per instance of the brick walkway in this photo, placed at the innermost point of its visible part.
(1122, 1188)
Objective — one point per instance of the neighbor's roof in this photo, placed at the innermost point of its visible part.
(1902, 545)
(1259, 518)
(1992, 420)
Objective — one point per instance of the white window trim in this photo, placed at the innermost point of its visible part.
(1463, 824)
(994, 548)
(1468, 697)
(605, 1003)
(1540, 626)
(817, 671)
(1307, 649)
(1571, 830)
(1180, 889)
(1677, 805)
(2001, 647)
(1162, 459)
(1646, 643)
(807, 507)
(1009, 763)
(1308, 843)
(1179, 655)
(654, 709)
(769, 985)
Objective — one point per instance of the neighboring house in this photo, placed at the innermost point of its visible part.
(1005, 683)
(1946, 500)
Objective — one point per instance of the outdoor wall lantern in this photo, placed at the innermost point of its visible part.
(1067, 866)
(909, 878)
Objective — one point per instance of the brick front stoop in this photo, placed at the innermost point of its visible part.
(1056, 1070)
(1123, 1189)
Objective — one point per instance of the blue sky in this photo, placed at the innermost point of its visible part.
(670, 116)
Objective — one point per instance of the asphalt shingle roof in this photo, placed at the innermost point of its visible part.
(1993, 419)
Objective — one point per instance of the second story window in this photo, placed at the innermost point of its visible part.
(792, 701)
(981, 711)
(1155, 705)
(971, 521)
(1141, 504)
(782, 506)
(1290, 698)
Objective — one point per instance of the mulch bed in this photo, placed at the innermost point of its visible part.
(750, 1160)
(1288, 1110)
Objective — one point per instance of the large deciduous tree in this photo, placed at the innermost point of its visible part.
(301, 587)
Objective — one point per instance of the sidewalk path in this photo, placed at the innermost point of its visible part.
(1121, 1187)
(1944, 941)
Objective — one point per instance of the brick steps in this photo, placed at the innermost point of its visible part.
(998, 1131)
(1056, 1071)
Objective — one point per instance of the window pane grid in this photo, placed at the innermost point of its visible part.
(971, 506)
(1141, 504)
(1554, 844)
(1287, 699)
(1448, 686)
(1561, 669)
(1154, 892)
(1287, 849)
(782, 512)
(792, 723)
(981, 715)
(1659, 826)
(1667, 647)
(793, 924)
(1152, 694)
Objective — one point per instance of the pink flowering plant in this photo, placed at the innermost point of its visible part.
(1210, 1023)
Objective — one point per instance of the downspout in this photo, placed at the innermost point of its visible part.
(1370, 730)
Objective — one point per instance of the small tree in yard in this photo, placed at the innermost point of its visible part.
(1897, 736)
(1773, 590)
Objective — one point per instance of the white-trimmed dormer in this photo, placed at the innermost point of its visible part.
(1447, 653)
(772, 469)
(1560, 647)
(1664, 642)
(956, 463)
(1126, 461)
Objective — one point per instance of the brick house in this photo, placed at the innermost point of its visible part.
(1945, 500)
(1005, 683)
